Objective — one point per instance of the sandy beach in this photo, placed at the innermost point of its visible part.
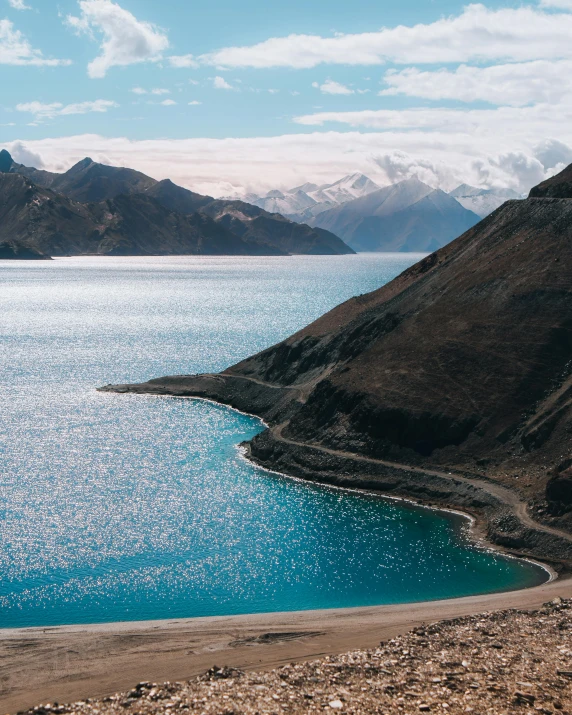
(69, 663)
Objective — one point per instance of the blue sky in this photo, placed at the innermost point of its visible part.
(227, 95)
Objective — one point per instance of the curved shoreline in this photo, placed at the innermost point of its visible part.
(485, 502)
(67, 663)
(473, 530)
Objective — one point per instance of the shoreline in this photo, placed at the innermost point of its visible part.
(474, 530)
(480, 522)
(69, 663)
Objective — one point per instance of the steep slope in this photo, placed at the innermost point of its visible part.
(461, 364)
(408, 216)
(86, 181)
(176, 198)
(90, 182)
(482, 202)
(49, 223)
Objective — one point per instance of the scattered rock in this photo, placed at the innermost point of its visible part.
(532, 673)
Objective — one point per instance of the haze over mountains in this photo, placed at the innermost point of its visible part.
(99, 209)
(407, 216)
(482, 201)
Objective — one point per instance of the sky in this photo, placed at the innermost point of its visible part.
(229, 97)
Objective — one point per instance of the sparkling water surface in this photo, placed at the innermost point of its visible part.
(122, 507)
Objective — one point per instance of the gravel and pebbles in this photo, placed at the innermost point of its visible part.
(496, 663)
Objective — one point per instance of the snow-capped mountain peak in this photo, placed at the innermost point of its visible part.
(345, 189)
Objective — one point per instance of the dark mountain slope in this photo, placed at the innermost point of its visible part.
(16, 250)
(50, 223)
(266, 234)
(462, 363)
(251, 222)
(87, 181)
(177, 198)
(90, 182)
(408, 216)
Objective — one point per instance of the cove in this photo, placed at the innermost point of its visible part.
(120, 508)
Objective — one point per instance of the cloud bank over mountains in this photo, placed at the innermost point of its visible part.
(221, 167)
(482, 97)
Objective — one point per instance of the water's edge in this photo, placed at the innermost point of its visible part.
(473, 529)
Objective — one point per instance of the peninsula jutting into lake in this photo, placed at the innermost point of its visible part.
(451, 384)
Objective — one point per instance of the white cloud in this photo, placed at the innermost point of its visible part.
(16, 50)
(157, 92)
(331, 87)
(439, 157)
(126, 40)
(182, 61)
(18, 5)
(194, 103)
(56, 109)
(221, 83)
(552, 153)
(168, 103)
(537, 120)
(478, 33)
(508, 84)
(22, 155)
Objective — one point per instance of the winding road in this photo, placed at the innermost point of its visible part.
(503, 494)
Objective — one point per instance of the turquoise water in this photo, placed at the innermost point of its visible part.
(126, 508)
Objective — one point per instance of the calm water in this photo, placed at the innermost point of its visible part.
(122, 507)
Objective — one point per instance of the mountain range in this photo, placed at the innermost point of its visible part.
(451, 384)
(304, 202)
(99, 209)
(407, 216)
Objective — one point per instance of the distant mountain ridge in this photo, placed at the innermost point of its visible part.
(321, 206)
(95, 208)
(407, 216)
(304, 202)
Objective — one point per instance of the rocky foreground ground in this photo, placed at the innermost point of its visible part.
(510, 661)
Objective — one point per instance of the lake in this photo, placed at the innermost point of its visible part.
(117, 507)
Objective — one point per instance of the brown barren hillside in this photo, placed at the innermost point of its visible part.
(462, 364)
